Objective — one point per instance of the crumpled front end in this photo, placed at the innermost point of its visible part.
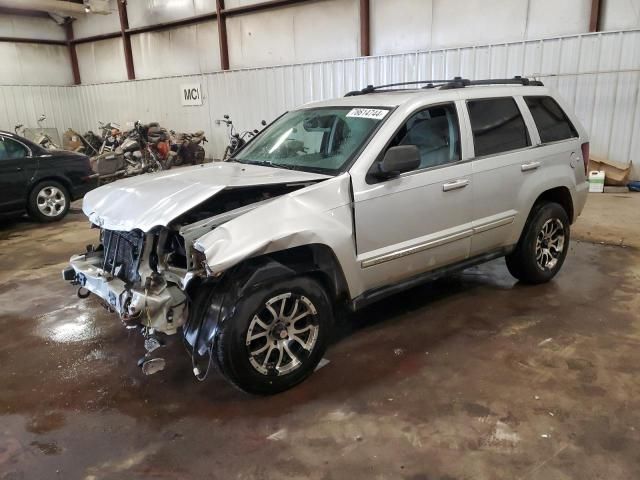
(120, 270)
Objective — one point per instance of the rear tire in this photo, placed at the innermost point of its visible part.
(48, 201)
(262, 349)
(543, 245)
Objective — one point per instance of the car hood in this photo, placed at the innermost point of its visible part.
(151, 200)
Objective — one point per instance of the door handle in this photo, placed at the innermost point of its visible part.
(18, 169)
(447, 187)
(526, 167)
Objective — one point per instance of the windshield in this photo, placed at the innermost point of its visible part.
(317, 139)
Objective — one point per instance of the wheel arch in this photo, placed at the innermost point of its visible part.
(212, 304)
(560, 195)
(61, 180)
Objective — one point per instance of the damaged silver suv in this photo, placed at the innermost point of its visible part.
(337, 203)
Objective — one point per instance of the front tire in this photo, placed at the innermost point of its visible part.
(49, 201)
(275, 336)
(543, 245)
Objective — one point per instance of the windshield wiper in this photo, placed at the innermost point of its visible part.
(282, 165)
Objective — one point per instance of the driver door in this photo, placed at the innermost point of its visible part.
(419, 220)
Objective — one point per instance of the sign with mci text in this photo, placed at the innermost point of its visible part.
(190, 94)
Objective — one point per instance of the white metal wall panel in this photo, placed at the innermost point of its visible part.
(598, 74)
(34, 64)
(30, 27)
(548, 18)
(301, 33)
(22, 104)
(101, 61)
(400, 26)
(620, 14)
(177, 51)
(97, 24)
(150, 12)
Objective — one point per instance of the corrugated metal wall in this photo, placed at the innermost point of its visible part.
(598, 74)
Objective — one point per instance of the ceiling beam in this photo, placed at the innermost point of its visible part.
(365, 38)
(96, 38)
(38, 41)
(256, 7)
(176, 23)
(594, 20)
(126, 39)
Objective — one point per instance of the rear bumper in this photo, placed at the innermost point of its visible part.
(159, 306)
(79, 191)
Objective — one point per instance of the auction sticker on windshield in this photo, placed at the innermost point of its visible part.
(373, 113)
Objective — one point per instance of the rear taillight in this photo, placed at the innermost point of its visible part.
(585, 157)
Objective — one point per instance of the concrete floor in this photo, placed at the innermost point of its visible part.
(470, 377)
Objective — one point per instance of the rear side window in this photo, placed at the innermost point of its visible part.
(11, 150)
(497, 126)
(553, 124)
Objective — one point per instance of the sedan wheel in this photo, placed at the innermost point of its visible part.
(51, 201)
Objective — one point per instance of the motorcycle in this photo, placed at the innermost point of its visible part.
(42, 139)
(188, 147)
(237, 140)
(92, 141)
(111, 137)
(138, 153)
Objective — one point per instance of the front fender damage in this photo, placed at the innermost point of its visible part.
(254, 244)
(321, 214)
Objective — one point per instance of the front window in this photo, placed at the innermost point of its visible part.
(320, 140)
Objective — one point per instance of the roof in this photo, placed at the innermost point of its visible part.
(397, 97)
(396, 94)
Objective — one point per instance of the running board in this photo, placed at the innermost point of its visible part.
(373, 295)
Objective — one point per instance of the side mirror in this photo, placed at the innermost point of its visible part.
(263, 123)
(226, 117)
(397, 160)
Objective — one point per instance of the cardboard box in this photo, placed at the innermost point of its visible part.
(616, 174)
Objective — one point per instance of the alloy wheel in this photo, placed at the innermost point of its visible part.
(550, 244)
(51, 201)
(282, 335)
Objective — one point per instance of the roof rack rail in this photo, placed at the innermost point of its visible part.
(455, 82)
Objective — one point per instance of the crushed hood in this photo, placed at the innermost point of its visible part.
(151, 200)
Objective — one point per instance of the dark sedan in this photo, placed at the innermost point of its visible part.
(40, 182)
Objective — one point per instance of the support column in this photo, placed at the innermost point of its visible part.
(126, 38)
(222, 35)
(594, 21)
(365, 49)
(68, 29)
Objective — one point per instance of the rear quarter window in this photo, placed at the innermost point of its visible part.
(497, 126)
(552, 123)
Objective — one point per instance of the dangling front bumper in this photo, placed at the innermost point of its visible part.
(156, 305)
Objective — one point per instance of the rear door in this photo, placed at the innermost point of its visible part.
(504, 158)
(420, 220)
(16, 168)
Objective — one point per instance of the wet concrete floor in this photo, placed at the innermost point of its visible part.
(469, 377)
